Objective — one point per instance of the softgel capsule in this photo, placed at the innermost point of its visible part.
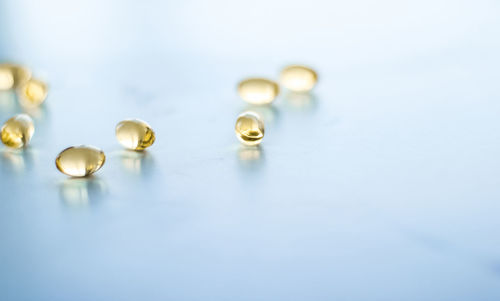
(298, 78)
(12, 76)
(258, 91)
(249, 128)
(32, 93)
(17, 131)
(135, 134)
(80, 161)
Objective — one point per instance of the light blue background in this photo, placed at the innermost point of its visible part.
(381, 185)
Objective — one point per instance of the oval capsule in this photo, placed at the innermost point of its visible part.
(135, 134)
(249, 128)
(32, 93)
(80, 161)
(12, 75)
(258, 91)
(298, 78)
(17, 131)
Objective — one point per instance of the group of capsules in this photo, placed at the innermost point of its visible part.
(84, 160)
(261, 91)
(31, 93)
(135, 134)
(75, 161)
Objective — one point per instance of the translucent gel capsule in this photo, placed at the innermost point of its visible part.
(298, 78)
(11, 76)
(17, 131)
(80, 161)
(135, 134)
(249, 128)
(32, 93)
(258, 91)
(6, 79)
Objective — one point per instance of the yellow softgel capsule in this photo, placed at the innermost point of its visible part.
(80, 161)
(135, 134)
(12, 75)
(249, 128)
(32, 93)
(17, 131)
(258, 91)
(298, 78)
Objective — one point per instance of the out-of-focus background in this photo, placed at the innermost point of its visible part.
(382, 184)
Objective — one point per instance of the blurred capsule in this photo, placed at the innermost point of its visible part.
(249, 128)
(298, 78)
(17, 131)
(6, 79)
(12, 75)
(135, 134)
(258, 91)
(32, 93)
(80, 161)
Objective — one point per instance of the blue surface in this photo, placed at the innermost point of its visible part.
(381, 185)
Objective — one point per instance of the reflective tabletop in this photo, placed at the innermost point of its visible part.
(380, 184)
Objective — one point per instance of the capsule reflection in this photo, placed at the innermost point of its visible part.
(81, 192)
(137, 163)
(250, 158)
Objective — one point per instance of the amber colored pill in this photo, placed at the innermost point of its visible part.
(80, 161)
(298, 78)
(249, 128)
(135, 134)
(32, 93)
(258, 91)
(17, 131)
(12, 75)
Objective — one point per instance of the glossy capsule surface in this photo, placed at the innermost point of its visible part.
(298, 78)
(258, 91)
(80, 161)
(135, 134)
(17, 131)
(32, 93)
(12, 75)
(249, 128)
